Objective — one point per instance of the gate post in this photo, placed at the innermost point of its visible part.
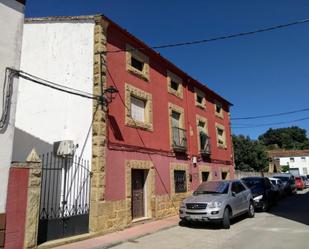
(23, 203)
(33, 201)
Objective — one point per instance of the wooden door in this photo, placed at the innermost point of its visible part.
(138, 193)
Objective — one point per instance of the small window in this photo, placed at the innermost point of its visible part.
(139, 65)
(292, 159)
(223, 175)
(174, 85)
(205, 176)
(221, 136)
(138, 109)
(218, 110)
(303, 159)
(200, 100)
(180, 181)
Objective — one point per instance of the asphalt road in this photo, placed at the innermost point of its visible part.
(284, 226)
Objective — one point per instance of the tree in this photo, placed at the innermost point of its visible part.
(285, 138)
(250, 155)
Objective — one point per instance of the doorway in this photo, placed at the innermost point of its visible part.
(138, 193)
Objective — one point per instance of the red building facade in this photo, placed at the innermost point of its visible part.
(166, 132)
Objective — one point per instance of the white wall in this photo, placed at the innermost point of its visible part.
(11, 25)
(301, 164)
(61, 52)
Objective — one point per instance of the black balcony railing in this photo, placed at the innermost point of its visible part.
(205, 144)
(179, 139)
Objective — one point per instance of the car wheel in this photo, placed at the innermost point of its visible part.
(226, 219)
(251, 212)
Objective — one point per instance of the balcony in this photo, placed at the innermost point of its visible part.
(179, 137)
(205, 144)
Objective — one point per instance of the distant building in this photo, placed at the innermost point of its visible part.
(11, 27)
(162, 135)
(294, 159)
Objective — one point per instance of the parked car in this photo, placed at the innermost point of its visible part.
(306, 181)
(279, 184)
(300, 185)
(263, 194)
(217, 201)
(288, 181)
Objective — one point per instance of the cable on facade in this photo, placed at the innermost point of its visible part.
(6, 98)
(54, 85)
(267, 29)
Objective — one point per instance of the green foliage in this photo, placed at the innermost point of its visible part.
(285, 168)
(285, 138)
(250, 155)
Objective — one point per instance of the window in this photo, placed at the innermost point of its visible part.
(202, 134)
(303, 159)
(221, 136)
(137, 63)
(223, 175)
(178, 136)
(205, 176)
(139, 111)
(174, 84)
(237, 187)
(292, 159)
(218, 109)
(200, 100)
(180, 181)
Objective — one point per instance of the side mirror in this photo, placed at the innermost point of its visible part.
(233, 193)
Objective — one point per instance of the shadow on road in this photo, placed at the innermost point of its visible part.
(294, 208)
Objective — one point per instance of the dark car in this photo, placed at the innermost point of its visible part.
(288, 182)
(262, 191)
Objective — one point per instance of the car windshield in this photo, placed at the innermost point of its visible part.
(253, 182)
(215, 187)
(273, 182)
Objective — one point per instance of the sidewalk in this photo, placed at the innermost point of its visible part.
(115, 238)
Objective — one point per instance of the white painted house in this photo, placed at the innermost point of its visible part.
(11, 27)
(295, 159)
(60, 52)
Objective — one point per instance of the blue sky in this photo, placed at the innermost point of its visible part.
(260, 74)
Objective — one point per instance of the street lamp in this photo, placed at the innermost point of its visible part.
(108, 95)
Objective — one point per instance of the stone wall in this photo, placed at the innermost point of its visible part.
(98, 209)
(240, 174)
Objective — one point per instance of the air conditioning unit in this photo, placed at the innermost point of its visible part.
(64, 148)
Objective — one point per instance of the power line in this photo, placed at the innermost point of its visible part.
(269, 124)
(280, 26)
(272, 115)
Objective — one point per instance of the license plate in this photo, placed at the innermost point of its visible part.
(195, 217)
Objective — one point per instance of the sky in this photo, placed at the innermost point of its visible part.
(260, 74)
